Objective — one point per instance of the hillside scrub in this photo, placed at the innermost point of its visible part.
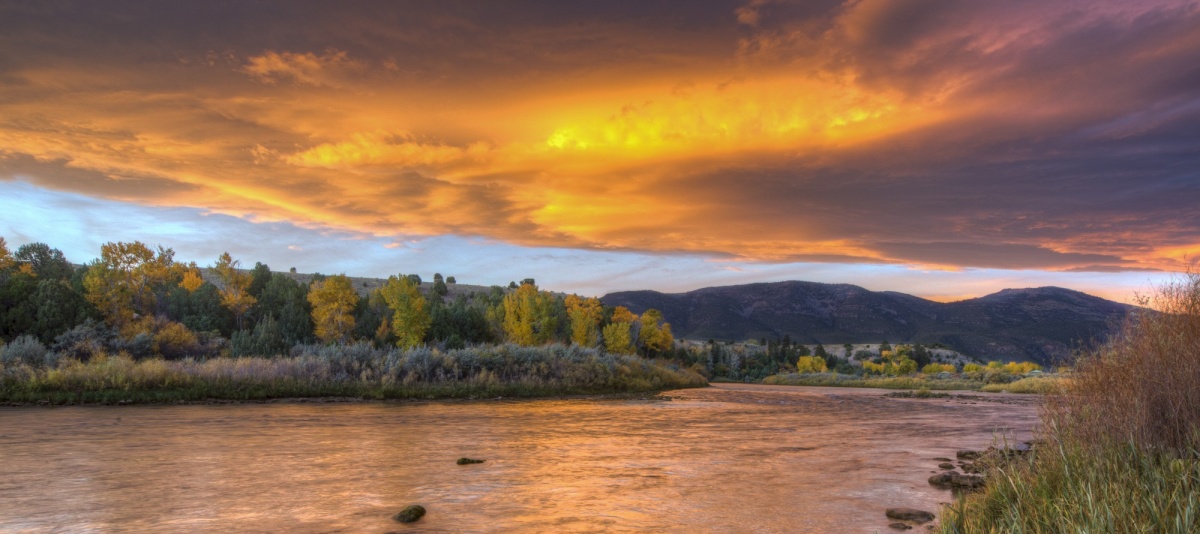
(357, 370)
(1032, 384)
(1121, 445)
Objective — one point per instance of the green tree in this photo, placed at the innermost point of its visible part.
(287, 300)
(47, 263)
(333, 300)
(410, 311)
(451, 280)
(439, 285)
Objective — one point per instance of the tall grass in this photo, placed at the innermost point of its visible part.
(1121, 446)
(892, 382)
(345, 371)
(1032, 384)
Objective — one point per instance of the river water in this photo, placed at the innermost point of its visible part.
(730, 458)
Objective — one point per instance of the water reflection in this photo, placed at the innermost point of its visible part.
(723, 459)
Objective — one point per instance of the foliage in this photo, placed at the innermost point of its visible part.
(654, 336)
(810, 364)
(1122, 436)
(617, 338)
(125, 281)
(333, 300)
(410, 311)
(935, 368)
(235, 284)
(585, 315)
(530, 316)
(358, 370)
(899, 382)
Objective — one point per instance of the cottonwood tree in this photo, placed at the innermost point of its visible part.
(333, 300)
(410, 311)
(234, 285)
(585, 316)
(618, 334)
(122, 283)
(529, 316)
(47, 263)
(655, 335)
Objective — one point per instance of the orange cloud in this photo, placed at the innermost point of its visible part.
(872, 132)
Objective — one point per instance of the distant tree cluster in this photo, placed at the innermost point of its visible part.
(138, 299)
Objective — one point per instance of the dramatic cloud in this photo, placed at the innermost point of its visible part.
(1056, 136)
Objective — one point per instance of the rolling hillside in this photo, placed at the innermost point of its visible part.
(1038, 324)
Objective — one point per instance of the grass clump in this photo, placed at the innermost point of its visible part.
(853, 381)
(1033, 384)
(1121, 449)
(359, 370)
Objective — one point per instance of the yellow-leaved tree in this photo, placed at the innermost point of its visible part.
(529, 316)
(655, 335)
(123, 281)
(618, 334)
(811, 364)
(585, 315)
(191, 280)
(234, 284)
(333, 300)
(410, 311)
(6, 257)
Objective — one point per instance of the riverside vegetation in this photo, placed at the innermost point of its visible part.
(136, 326)
(1120, 451)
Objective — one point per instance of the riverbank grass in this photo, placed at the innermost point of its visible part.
(356, 371)
(891, 382)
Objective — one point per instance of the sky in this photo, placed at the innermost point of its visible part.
(940, 148)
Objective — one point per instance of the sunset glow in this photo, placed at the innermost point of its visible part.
(943, 149)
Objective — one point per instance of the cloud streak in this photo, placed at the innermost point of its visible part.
(1053, 136)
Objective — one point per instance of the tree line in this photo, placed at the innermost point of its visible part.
(139, 299)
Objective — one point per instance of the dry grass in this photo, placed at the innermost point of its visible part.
(1033, 384)
(1122, 437)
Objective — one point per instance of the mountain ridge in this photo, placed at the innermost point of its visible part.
(1042, 324)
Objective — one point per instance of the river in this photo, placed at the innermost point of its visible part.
(730, 458)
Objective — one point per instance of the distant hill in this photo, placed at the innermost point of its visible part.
(1039, 324)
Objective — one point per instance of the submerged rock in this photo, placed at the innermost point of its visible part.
(939, 459)
(468, 461)
(410, 514)
(946, 465)
(899, 526)
(909, 514)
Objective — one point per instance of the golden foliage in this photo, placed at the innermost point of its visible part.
(812, 364)
(191, 280)
(655, 335)
(333, 301)
(121, 283)
(234, 284)
(585, 316)
(529, 317)
(617, 338)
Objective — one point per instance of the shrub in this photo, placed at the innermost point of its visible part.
(25, 350)
(811, 364)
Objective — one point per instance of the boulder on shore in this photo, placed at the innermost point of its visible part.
(468, 461)
(410, 514)
(967, 455)
(909, 514)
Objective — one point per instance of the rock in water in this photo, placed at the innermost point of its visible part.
(909, 514)
(899, 526)
(967, 481)
(943, 480)
(967, 455)
(468, 461)
(946, 465)
(410, 514)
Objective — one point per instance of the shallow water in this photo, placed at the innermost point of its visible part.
(731, 458)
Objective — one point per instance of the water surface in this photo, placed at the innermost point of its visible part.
(731, 458)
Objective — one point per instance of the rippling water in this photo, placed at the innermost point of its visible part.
(731, 458)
